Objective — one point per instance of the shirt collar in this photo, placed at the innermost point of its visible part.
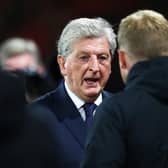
(79, 102)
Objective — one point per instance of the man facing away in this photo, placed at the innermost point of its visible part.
(85, 50)
(130, 128)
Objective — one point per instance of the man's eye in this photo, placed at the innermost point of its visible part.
(84, 58)
(103, 57)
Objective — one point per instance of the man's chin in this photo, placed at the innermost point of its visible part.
(93, 92)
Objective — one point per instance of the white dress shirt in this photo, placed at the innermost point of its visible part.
(79, 103)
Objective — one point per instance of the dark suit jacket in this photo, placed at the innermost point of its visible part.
(69, 128)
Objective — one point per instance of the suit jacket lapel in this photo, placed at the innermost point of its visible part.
(70, 115)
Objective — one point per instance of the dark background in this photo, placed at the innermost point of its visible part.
(43, 21)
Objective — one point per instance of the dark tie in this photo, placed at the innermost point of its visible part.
(89, 109)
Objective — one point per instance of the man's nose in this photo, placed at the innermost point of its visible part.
(94, 64)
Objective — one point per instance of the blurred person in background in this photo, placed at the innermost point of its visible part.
(27, 135)
(85, 50)
(130, 128)
(22, 56)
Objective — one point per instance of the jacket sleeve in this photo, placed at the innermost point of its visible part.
(106, 142)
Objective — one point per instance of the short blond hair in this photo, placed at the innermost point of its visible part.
(144, 34)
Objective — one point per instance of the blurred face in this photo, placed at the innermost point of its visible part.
(87, 69)
(19, 62)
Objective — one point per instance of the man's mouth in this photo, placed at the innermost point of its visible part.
(91, 81)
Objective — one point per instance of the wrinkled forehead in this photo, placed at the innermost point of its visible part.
(91, 43)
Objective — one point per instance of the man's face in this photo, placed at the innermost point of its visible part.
(88, 67)
(19, 62)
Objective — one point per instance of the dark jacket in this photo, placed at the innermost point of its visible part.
(70, 129)
(131, 128)
(26, 139)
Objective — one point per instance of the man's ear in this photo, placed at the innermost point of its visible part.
(62, 64)
(124, 65)
(122, 59)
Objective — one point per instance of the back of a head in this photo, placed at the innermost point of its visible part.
(143, 35)
(85, 28)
